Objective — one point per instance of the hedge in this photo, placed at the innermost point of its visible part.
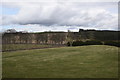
(78, 43)
(112, 43)
(94, 42)
(81, 43)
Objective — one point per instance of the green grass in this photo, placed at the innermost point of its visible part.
(7, 47)
(67, 62)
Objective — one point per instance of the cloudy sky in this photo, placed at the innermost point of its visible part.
(58, 15)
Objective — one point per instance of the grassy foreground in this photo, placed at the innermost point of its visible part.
(67, 62)
(12, 47)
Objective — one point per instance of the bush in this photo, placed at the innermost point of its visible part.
(93, 42)
(112, 43)
(78, 43)
(68, 43)
(81, 43)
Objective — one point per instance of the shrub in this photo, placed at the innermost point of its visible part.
(81, 43)
(112, 43)
(78, 43)
(68, 43)
(93, 42)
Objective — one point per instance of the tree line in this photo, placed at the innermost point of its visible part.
(61, 37)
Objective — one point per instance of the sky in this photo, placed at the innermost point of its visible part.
(58, 15)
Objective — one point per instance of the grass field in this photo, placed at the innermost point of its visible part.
(12, 47)
(66, 62)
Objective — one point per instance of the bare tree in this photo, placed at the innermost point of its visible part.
(70, 37)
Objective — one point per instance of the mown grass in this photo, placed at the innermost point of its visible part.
(67, 62)
(11, 47)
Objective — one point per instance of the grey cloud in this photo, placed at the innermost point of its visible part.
(63, 14)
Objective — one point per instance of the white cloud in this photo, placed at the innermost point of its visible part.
(62, 14)
(60, 0)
